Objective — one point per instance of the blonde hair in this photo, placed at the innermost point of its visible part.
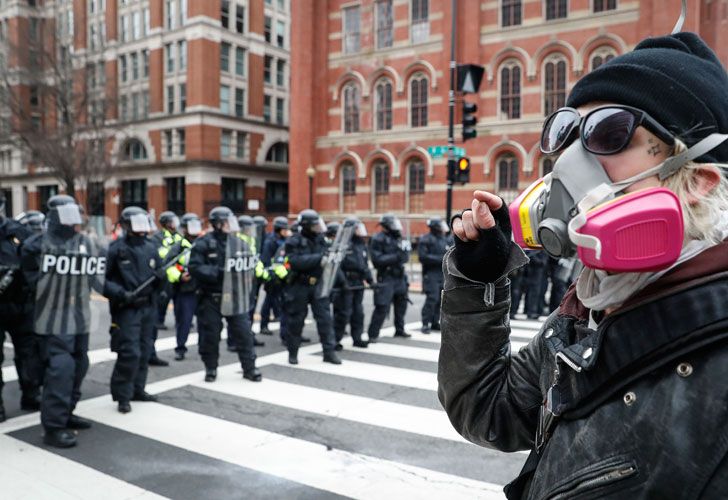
(701, 219)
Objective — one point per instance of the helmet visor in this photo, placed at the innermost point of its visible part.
(194, 227)
(139, 223)
(69, 215)
(319, 226)
(397, 225)
(232, 224)
(361, 230)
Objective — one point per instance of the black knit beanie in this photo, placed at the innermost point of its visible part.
(676, 79)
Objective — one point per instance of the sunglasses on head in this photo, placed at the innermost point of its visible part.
(606, 130)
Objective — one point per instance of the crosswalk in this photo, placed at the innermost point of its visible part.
(370, 428)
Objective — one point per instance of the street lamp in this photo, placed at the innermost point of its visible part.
(311, 173)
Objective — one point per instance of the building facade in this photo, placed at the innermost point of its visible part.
(371, 91)
(195, 93)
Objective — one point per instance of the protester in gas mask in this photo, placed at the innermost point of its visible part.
(621, 393)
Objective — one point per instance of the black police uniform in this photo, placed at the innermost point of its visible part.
(131, 261)
(272, 301)
(389, 259)
(348, 306)
(304, 254)
(431, 250)
(16, 314)
(207, 264)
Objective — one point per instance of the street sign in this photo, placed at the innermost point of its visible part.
(442, 151)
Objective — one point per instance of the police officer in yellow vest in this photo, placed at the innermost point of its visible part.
(248, 234)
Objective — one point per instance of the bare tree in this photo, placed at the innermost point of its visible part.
(57, 105)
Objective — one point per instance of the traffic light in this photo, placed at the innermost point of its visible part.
(469, 120)
(462, 172)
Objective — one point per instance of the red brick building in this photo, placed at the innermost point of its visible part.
(370, 92)
(200, 93)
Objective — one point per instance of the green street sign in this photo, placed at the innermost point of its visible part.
(442, 151)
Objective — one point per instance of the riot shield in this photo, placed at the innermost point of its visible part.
(240, 261)
(334, 256)
(69, 270)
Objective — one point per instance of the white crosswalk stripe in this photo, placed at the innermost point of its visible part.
(389, 387)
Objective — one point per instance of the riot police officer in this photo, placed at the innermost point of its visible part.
(306, 253)
(271, 247)
(249, 234)
(224, 266)
(133, 261)
(61, 267)
(184, 286)
(16, 312)
(389, 253)
(164, 239)
(261, 235)
(431, 250)
(348, 308)
(33, 220)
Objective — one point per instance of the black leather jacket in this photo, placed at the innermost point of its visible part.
(640, 402)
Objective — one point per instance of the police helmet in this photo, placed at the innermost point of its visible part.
(310, 222)
(191, 224)
(332, 228)
(63, 211)
(391, 224)
(280, 223)
(135, 220)
(167, 218)
(260, 221)
(246, 221)
(360, 229)
(186, 218)
(437, 225)
(33, 219)
(219, 215)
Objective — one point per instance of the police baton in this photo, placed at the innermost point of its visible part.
(373, 286)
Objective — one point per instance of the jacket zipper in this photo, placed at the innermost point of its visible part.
(589, 484)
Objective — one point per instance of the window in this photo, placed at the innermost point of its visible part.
(554, 86)
(136, 25)
(547, 166)
(276, 197)
(134, 66)
(352, 102)
(135, 106)
(507, 177)
(182, 52)
(176, 195)
(267, 28)
(182, 97)
(225, 57)
(352, 22)
(420, 21)
(168, 143)
(123, 109)
(134, 150)
(226, 140)
(240, 61)
(418, 101)
(602, 5)
(278, 153)
(122, 68)
(280, 105)
(266, 108)
(510, 92)
(239, 102)
(280, 72)
(145, 57)
(556, 9)
(171, 15)
(182, 12)
(240, 142)
(385, 24)
(348, 188)
(240, 19)
(170, 57)
(381, 187)
(145, 100)
(45, 193)
(600, 57)
(124, 28)
(182, 141)
(384, 105)
(96, 199)
(225, 99)
(233, 194)
(416, 187)
(147, 22)
(267, 62)
(170, 99)
(511, 12)
(280, 33)
(225, 14)
(134, 193)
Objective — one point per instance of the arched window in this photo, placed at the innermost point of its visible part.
(278, 153)
(348, 186)
(507, 182)
(381, 187)
(600, 56)
(416, 186)
(554, 85)
(352, 103)
(384, 105)
(511, 13)
(418, 100)
(510, 91)
(556, 9)
(134, 150)
(547, 165)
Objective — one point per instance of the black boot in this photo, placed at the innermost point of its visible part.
(155, 361)
(145, 397)
(30, 403)
(76, 422)
(292, 357)
(258, 343)
(179, 356)
(435, 327)
(253, 375)
(332, 357)
(2, 411)
(425, 328)
(264, 331)
(210, 375)
(59, 438)
(361, 343)
(124, 407)
(403, 335)
(305, 340)
(339, 347)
